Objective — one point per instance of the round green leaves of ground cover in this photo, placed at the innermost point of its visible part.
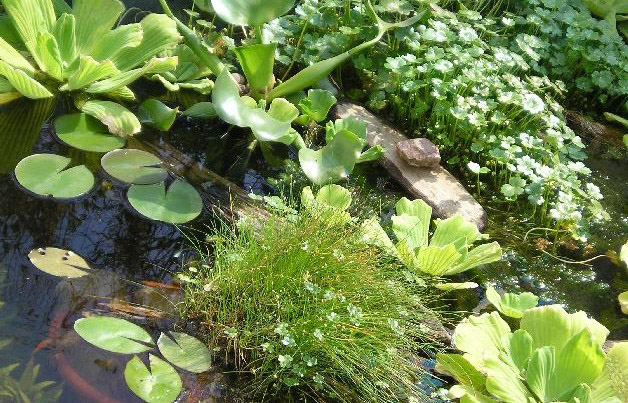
(59, 262)
(134, 166)
(113, 334)
(178, 204)
(160, 384)
(86, 133)
(185, 352)
(251, 12)
(46, 175)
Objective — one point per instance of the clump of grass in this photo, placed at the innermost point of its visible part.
(312, 313)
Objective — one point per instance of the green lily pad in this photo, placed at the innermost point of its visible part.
(46, 175)
(113, 334)
(179, 204)
(59, 262)
(185, 352)
(86, 133)
(134, 166)
(160, 384)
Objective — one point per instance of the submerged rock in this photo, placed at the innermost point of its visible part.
(419, 152)
(435, 185)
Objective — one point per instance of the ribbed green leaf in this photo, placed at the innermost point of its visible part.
(414, 230)
(65, 34)
(481, 337)
(30, 19)
(5, 85)
(61, 7)
(123, 94)
(49, 56)
(437, 260)
(503, 382)
(125, 36)
(540, 369)
(317, 105)
(483, 254)
(23, 83)
(119, 120)
(89, 71)
(13, 57)
(7, 97)
(94, 19)
(511, 304)
(160, 34)
(154, 66)
(452, 229)
(462, 371)
(519, 348)
(201, 110)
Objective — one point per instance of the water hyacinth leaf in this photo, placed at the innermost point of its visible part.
(334, 161)
(510, 304)
(623, 302)
(134, 166)
(86, 133)
(352, 124)
(257, 62)
(178, 204)
(456, 286)
(59, 262)
(160, 384)
(185, 352)
(119, 120)
(156, 114)
(201, 110)
(46, 175)
(94, 19)
(23, 83)
(317, 105)
(250, 12)
(236, 110)
(113, 334)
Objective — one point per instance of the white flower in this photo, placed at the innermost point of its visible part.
(509, 22)
(468, 34)
(532, 103)
(332, 316)
(594, 191)
(474, 167)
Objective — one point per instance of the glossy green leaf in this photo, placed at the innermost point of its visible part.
(46, 175)
(59, 262)
(504, 383)
(201, 110)
(482, 254)
(454, 229)
(412, 222)
(134, 166)
(235, 110)
(119, 120)
(23, 83)
(185, 352)
(156, 114)
(160, 384)
(511, 304)
(335, 196)
(437, 260)
(333, 162)
(250, 12)
(519, 348)
(86, 133)
(352, 124)
(89, 71)
(94, 19)
(317, 105)
(178, 204)
(113, 334)
(257, 62)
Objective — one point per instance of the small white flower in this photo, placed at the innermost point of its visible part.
(474, 167)
(532, 103)
(509, 22)
(332, 316)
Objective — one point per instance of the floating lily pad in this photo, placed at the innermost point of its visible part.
(179, 204)
(113, 334)
(46, 175)
(59, 262)
(160, 384)
(86, 133)
(134, 166)
(185, 352)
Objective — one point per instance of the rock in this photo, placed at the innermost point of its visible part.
(434, 185)
(419, 152)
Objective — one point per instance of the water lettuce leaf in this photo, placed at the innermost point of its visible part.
(509, 304)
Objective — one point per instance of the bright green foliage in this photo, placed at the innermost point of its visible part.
(59, 262)
(610, 10)
(86, 133)
(257, 62)
(190, 73)
(81, 51)
(159, 384)
(113, 334)
(623, 252)
(185, 352)
(316, 105)
(134, 166)
(49, 175)
(176, 204)
(448, 252)
(512, 305)
(156, 114)
(623, 302)
(201, 110)
(250, 12)
(554, 356)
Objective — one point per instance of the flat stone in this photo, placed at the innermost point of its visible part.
(419, 152)
(435, 185)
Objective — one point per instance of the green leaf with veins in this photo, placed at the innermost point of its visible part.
(512, 305)
(317, 105)
(134, 166)
(250, 12)
(86, 133)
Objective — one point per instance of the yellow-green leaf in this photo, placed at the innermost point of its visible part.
(23, 83)
(119, 120)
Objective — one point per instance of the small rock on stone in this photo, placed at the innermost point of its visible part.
(419, 152)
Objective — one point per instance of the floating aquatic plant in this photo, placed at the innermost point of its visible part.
(59, 262)
(49, 175)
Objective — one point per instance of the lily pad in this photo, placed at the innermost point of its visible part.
(113, 334)
(46, 175)
(160, 384)
(59, 262)
(179, 204)
(86, 133)
(185, 352)
(134, 166)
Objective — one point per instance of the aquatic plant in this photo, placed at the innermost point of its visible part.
(447, 252)
(160, 382)
(308, 310)
(509, 304)
(553, 356)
